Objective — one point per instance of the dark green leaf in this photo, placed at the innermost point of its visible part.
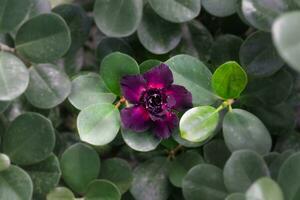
(216, 153)
(102, 189)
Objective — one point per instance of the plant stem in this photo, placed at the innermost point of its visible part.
(119, 103)
(174, 151)
(4, 47)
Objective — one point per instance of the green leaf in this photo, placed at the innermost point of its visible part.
(226, 47)
(45, 43)
(48, 86)
(194, 76)
(229, 80)
(117, 171)
(12, 13)
(262, 13)
(109, 45)
(286, 37)
(289, 141)
(98, 124)
(176, 11)
(102, 189)
(14, 77)
(258, 55)
(78, 23)
(109, 16)
(15, 184)
(271, 90)
(177, 137)
(180, 166)
(148, 64)
(45, 176)
(264, 189)
(220, 8)
(236, 196)
(29, 139)
(156, 34)
(243, 130)
(198, 124)
(288, 177)
(242, 169)
(114, 67)
(216, 153)
(4, 105)
(150, 180)
(80, 164)
(4, 162)
(61, 193)
(92, 86)
(204, 181)
(39, 7)
(144, 141)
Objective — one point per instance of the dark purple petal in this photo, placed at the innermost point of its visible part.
(159, 77)
(179, 98)
(135, 118)
(163, 128)
(132, 87)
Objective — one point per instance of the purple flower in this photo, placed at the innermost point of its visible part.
(154, 100)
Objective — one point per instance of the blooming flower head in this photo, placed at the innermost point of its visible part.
(154, 100)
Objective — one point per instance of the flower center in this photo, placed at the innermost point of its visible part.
(153, 101)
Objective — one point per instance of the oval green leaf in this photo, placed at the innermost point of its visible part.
(229, 80)
(156, 34)
(117, 171)
(220, 8)
(4, 162)
(198, 124)
(45, 43)
(48, 86)
(61, 193)
(29, 139)
(98, 124)
(236, 196)
(204, 181)
(102, 189)
(286, 37)
(191, 73)
(243, 130)
(89, 89)
(114, 67)
(15, 184)
(109, 16)
(176, 11)
(258, 55)
(14, 76)
(242, 169)
(80, 164)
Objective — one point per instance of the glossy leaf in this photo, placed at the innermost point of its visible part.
(229, 80)
(45, 43)
(264, 189)
(262, 13)
(258, 55)
(61, 193)
(118, 171)
(150, 180)
(45, 176)
(110, 15)
(204, 181)
(176, 11)
(286, 31)
(102, 189)
(144, 141)
(29, 139)
(198, 124)
(220, 8)
(4, 162)
(48, 86)
(14, 76)
(13, 182)
(89, 89)
(114, 67)
(12, 13)
(80, 164)
(194, 76)
(98, 124)
(156, 34)
(242, 169)
(243, 130)
(180, 166)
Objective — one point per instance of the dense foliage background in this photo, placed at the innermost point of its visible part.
(61, 62)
